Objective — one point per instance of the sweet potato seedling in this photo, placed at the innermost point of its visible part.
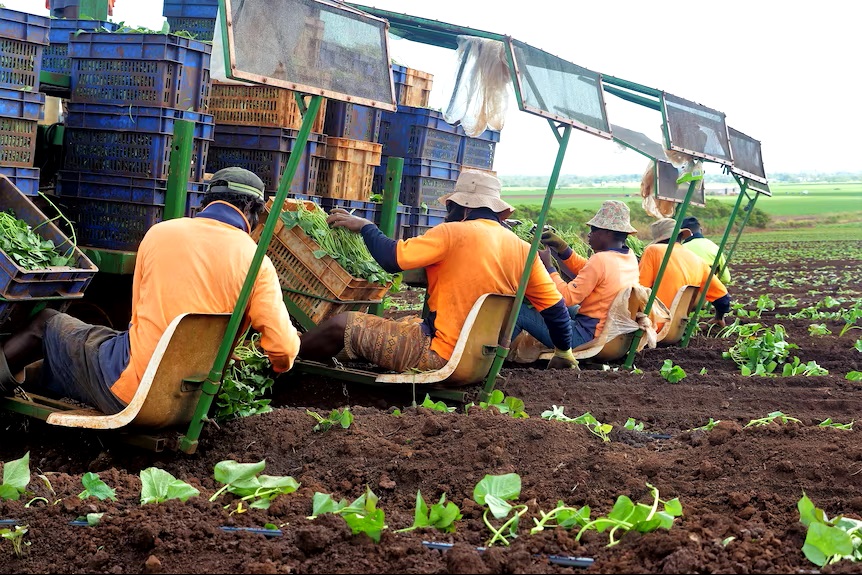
(796, 367)
(341, 417)
(710, 425)
(16, 538)
(441, 515)
(95, 487)
(672, 373)
(16, 477)
(494, 493)
(633, 425)
(773, 416)
(362, 516)
(561, 516)
(157, 486)
(829, 423)
(511, 405)
(818, 329)
(854, 376)
(596, 427)
(428, 403)
(244, 481)
(829, 541)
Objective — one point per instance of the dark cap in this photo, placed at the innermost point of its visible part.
(236, 179)
(690, 222)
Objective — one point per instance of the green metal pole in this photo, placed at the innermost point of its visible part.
(506, 339)
(630, 358)
(701, 300)
(178, 172)
(634, 98)
(389, 208)
(210, 387)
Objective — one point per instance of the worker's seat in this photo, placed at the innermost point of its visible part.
(474, 351)
(186, 351)
(683, 304)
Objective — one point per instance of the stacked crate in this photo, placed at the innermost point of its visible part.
(352, 152)
(23, 38)
(256, 129)
(127, 92)
(194, 16)
(55, 58)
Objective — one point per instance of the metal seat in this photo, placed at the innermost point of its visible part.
(683, 303)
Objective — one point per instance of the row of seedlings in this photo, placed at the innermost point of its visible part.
(127, 92)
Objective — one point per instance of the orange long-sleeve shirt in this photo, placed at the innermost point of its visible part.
(599, 279)
(684, 268)
(198, 265)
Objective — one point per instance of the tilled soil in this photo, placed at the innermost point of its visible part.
(733, 482)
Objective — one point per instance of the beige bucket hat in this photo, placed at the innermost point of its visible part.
(614, 216)
(662, 230)
(476, 189)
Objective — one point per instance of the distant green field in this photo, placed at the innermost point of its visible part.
(844, 232)
(787, 201)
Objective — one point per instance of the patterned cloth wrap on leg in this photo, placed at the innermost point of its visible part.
(393, 345)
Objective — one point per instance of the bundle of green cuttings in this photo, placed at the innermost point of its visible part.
(246, 380)
(345, 247)
(27, 248)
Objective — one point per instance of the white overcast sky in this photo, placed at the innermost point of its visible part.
(786, 73)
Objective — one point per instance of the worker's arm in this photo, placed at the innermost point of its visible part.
(268, 315)
(724, 276)
(546, 299)
(717, 294)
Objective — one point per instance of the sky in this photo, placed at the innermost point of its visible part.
(786, 74)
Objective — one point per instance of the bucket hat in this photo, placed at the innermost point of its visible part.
(662, 230)
(614, 216)
(238, 180)
(475, 189)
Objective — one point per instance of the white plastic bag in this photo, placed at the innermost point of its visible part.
(481, 95)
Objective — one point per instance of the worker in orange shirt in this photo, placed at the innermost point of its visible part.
(185, 265)
(684, 268)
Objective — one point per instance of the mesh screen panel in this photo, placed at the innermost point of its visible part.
(639, 141)
(312, 43)
(668, 189)
(699, 130)
(747, 160)
(560, 89)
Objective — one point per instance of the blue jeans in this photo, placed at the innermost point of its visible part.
(583, 327)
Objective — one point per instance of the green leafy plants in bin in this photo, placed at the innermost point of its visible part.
(27, 248)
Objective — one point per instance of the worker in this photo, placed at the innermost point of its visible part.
(683, 268)
(705, 248)
(597, 280)
(468, 255)
(185, 265)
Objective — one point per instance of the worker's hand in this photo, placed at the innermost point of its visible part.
(339, 218)
(563, 359)
(552, 240)
(545, 256)
(513, 223)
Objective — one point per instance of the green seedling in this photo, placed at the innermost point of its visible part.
(788, 301)
(441, 515)
(16, 538)
(828, 302)
(759, 353)
(818, 329)
(708, 427)
(511, 405)
(672, 373)
(362, 516)
(494, 492)
(774, 416)
(829, 423)
(428, 403)
(16, 477)
(637, 371)
(242, 480)
(157, 486)
(858, 345)
(629, 516)
(246, 381)
(95, 487)
(92, 519)
(703, 371)
(561, 516)
(854, 376)
(25, 247)
(341, 417)
(633, 425)
(829, 541)
(797, 368)
(597, 428)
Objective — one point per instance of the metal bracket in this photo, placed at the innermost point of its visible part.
(192, 384)
(489, 349)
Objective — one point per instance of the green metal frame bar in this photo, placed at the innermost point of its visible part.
(112, 262)
(389, 208)
(178, 173)
(633, 349)
(634, 98)
(188, 442)
(502, 350)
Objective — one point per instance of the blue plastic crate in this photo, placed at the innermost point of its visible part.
(22, 26)
(265, 151)
(402, 220)
(419, 133)
(131, 140)
(20, 64)
(161, 70)
(190, 9)
(423, 219)
(114, 225)
(352, 121)
(21, 104)
(422, 181)
(25, 179)
(367, 210)
(200, 28)
(55, 58)
(121, 189)
(18, 283)
(478, 152)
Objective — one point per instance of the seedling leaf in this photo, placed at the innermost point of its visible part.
(157, 485)
(16, 477)
(95, 487)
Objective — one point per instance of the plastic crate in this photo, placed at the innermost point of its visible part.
(352, 121)
(267, 106)
(118, 225)
(21, 104)
(265, 151)
(190, 9)
(419, 133)
(131, 140)
(63, 281)
(121, 189)
(423, 219)
(412, 87)
(21, 64)
(18, 139)
(422, 181)
(23, 26)
(320, 279)
(348, 170)
(25, 179)
(402, 220)
(478, 152)
(367, 210)
(201, 28)
(55, 58)
(161, 70)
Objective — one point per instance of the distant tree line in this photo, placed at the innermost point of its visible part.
(569, 180)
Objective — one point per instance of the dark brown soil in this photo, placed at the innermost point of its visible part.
(732, 481)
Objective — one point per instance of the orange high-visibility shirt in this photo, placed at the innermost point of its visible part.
(198, 265)
(600, 278)
(684, 268)
(464, 260)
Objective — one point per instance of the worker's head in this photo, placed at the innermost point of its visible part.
(240, 188)
(692, 224)
(662, 230)
(473, 190)
(610, 227)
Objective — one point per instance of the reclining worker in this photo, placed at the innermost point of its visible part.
(612, 268)
(185, 265)
(684, 268)
(468, 255)
(705, 248)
